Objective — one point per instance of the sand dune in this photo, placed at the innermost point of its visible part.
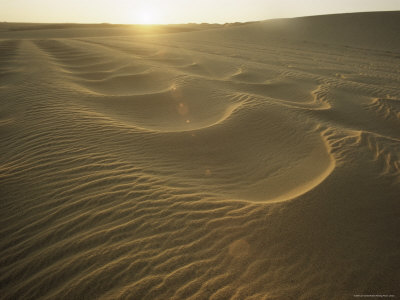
(255, 161)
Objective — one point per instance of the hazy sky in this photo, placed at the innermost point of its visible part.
(177, 11)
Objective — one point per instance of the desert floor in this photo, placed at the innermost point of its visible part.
(237, 161)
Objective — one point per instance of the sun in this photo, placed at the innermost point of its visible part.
(148, 16)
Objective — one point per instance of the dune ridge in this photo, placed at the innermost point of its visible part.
(207, 162)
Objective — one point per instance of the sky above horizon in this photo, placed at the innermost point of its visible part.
(177, 11)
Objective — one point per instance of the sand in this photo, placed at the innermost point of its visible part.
(238, 161)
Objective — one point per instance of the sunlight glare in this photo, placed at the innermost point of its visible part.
(147, 16)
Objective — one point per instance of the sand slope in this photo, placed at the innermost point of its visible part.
(256, 161)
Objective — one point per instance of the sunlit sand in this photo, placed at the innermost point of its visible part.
(240, 161)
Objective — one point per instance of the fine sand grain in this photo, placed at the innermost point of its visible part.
(238, 161)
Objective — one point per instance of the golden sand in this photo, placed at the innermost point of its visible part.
(252, 161)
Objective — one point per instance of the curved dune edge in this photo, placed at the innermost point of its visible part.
(299, 180)
(128, 84)
(196, 126)
(169, 110)
(184, 126)
(306, 187)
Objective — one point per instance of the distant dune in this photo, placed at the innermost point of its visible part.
(236, 161)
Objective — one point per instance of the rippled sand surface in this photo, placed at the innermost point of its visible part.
(251, 161)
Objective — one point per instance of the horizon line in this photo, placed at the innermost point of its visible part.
(198, 23)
